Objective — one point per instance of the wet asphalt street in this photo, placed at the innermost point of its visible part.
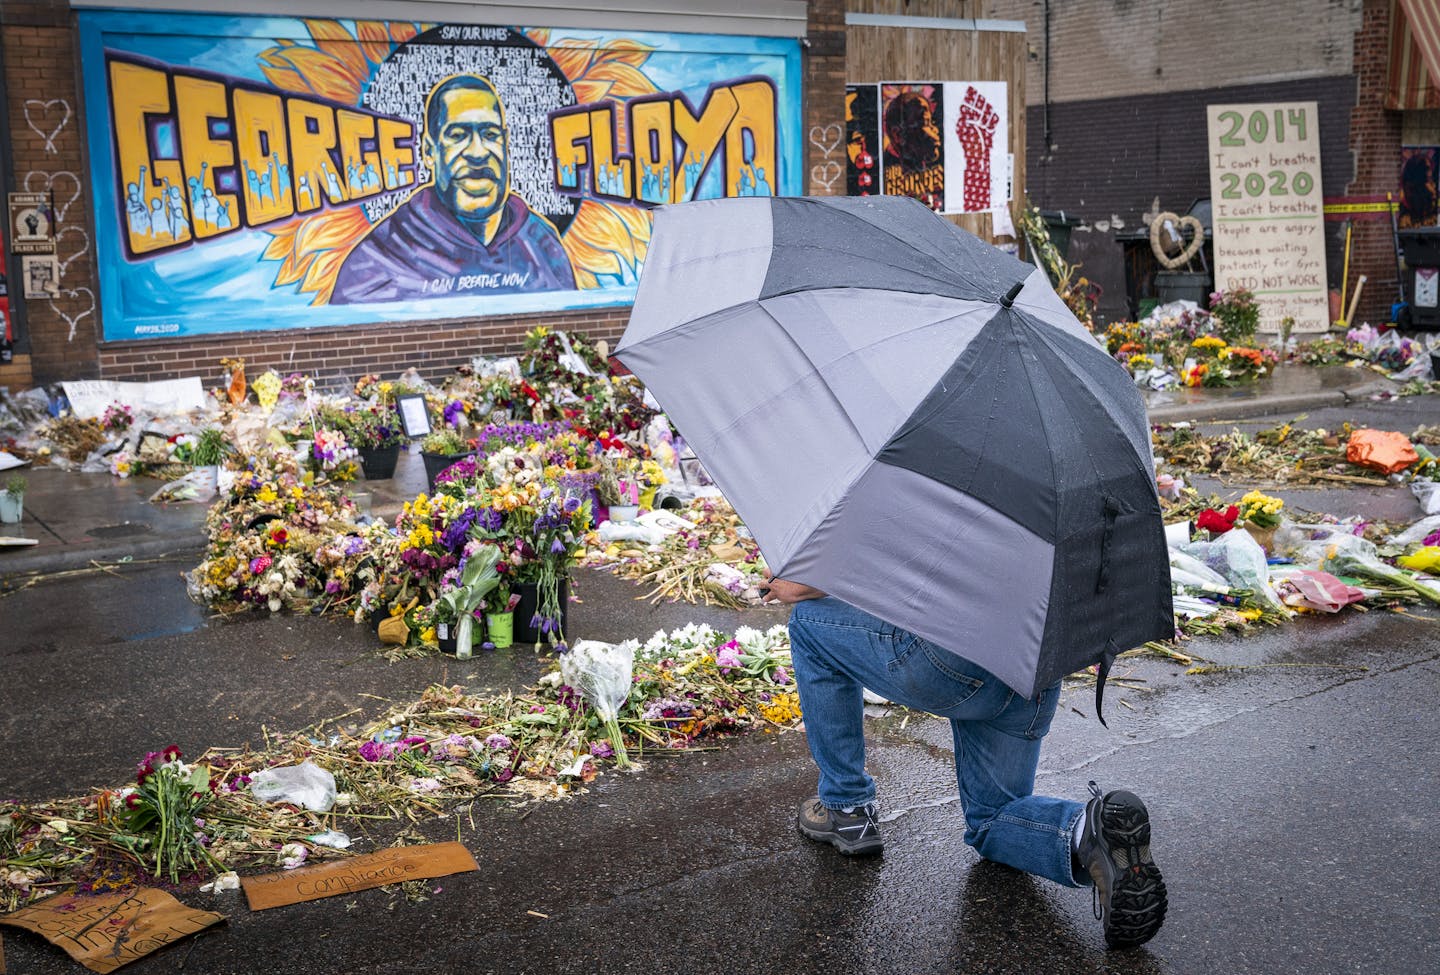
(1292, 795)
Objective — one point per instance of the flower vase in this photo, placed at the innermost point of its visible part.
(445, 637)
(378, 463)
(501, 629)
(529, 603)
(435, 463)
(12, 507)
(1265, 536)
(624, 512)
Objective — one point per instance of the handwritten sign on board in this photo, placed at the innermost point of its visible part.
(105, 931)
(1267, 210)
(393, 866)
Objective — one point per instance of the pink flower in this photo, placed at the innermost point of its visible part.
(780, 676)
(727, 657)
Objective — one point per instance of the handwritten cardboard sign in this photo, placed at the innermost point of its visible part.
(89, 397)
(393, 866)
(1267, 210)
(105, 931)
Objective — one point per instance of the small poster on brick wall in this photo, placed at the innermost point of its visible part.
(944, 143)
(1268, 212)
(32, 223)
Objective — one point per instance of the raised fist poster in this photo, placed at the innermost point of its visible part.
(944, 143)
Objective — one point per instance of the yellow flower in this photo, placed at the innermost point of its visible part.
(297, 492)
(783, 708)
(427, 635)
(1209, 342)
(267, 495)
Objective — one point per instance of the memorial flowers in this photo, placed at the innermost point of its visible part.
(1236, 313)
(1260, 510)
(162, 813)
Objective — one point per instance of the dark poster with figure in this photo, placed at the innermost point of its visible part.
(914, 150)
(862, 140)
(1419, 168)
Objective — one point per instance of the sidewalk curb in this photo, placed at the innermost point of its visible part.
(1278, 405)
(38, 561)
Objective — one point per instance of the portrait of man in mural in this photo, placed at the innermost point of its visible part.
(466, 231)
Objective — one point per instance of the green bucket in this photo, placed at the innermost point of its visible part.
(501, 629)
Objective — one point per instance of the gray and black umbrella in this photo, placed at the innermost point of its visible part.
(910, 420)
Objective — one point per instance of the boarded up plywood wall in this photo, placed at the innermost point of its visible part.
(875, 54)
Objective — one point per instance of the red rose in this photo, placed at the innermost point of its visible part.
(1213, 521)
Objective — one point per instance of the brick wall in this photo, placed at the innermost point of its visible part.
(337, 356)
(1111, 159)
(47, 152)
(1375, 139)
(1107, 48)
(825, 98)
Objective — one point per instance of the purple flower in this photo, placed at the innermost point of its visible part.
(332, 587)
(497, 742)
(780, 676)
(453, 537)
(453, 411)
(602, 749)
(372, 751)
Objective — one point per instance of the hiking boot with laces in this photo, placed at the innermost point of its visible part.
(1115, 850)
(854, 833)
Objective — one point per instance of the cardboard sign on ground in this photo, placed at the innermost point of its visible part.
(393, 866)
(105, 931)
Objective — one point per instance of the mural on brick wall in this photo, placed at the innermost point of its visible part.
(943, 143)
(253, 172)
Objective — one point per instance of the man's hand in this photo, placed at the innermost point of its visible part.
(785, 591)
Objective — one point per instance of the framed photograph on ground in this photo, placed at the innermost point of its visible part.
(414, 418)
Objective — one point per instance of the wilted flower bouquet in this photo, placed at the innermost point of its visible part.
(264, 533)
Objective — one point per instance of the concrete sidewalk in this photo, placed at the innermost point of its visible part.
(77, 519)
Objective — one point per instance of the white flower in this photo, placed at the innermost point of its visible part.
(292, 855)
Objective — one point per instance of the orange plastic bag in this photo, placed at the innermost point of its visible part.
(1381, 450)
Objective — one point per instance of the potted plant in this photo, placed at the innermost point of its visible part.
(205, 452)
(615, 488)
(440, 449)
(374, 430)
(12, 500)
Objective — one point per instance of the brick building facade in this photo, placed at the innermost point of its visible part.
(1117, 91)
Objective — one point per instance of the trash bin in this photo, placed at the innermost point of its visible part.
(1182, 286)
(1059, 225)
(1420, 247)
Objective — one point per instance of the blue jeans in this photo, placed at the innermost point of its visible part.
(838, 650)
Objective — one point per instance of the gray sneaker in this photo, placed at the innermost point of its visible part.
(854, 834)
(1130, 897)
